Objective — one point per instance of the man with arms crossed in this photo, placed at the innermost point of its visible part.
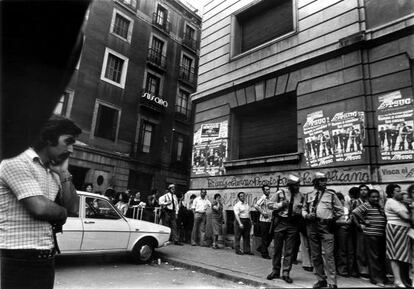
(34, 198)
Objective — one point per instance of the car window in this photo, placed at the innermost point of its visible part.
(96, 208)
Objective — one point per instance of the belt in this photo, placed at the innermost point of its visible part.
(28, 253)
(323, 221)
(200, 212)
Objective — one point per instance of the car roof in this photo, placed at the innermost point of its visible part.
(93, 195)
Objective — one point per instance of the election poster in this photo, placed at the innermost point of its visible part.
(318, 146)
(210, 149)
(348, 133)
(395, 126)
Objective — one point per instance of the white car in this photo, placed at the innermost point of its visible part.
(99, 227)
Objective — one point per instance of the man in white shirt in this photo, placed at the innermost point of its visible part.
(264, 221)
(199, 207)
(242, 225)
(169, 205)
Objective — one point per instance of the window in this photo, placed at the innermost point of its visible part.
(121, 25)
(100, 209)
(62, 106)
(265, 21)
(178, 140)
(189, 32)
(156, 54)
(114, 68)
(130, 3)
(152, 84)
(183, 103)
(107, 122)
(268, 127)
(186, 70)
(147, 130)
(189, 37)
(161, 16)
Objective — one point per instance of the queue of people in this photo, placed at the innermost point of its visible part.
(363, 234)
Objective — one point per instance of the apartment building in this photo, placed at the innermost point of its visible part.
(299, 86)
(131, 93)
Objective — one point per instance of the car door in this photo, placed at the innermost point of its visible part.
(104, 228)
(71, 238)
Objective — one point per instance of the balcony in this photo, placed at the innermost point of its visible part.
(156, 58)
(182, 113)
(159, 21)
(187, 76)
(190, 42)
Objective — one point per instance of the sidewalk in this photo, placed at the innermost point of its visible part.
(251, 270)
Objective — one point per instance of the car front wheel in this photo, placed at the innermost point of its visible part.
(143, 251)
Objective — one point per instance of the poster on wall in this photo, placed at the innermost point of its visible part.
(395, 126)
(210, 149)
(337, 139)
(348, 133)
(318, 145)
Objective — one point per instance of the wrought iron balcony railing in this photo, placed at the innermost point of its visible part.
(155, 57)
(187, 75)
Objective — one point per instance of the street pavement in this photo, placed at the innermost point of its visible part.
(252, 270)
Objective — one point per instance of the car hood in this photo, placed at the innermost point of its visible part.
(147, 226)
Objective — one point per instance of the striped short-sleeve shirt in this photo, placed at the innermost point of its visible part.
(22, 177)
(375, 216)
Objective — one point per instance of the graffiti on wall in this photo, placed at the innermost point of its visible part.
(397, 173)
(395, 126)
(335, 176)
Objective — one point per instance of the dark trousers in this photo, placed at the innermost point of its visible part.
(375, 246)
(361, 253)
(199, 228)
(266, 237)
(245, 232)
(285, 234)
(344, 250)
(321, 238)
(169, 219)
(30, 273)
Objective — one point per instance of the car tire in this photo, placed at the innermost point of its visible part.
(143, 251)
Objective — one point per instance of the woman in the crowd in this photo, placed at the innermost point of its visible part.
(217, 219)
(372, 220)
(122, 204)
(410, 191)
(242, 225)
(344, 247)
(398, 224)
(188, 221)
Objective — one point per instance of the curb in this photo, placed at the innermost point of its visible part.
(219, 274)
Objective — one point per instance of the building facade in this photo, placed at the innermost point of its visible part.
(298, 86)
(131, 93)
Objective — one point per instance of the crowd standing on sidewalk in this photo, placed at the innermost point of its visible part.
(362, 234)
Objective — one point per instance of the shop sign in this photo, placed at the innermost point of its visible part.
(397, 173)
(155, 99)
